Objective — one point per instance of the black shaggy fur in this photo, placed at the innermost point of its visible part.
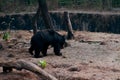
(42, 39)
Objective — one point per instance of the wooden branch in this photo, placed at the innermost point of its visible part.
(22, 64)
(68, 25)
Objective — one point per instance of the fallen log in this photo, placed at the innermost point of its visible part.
(22, 64)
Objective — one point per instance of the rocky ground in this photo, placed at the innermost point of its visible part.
(90, 56)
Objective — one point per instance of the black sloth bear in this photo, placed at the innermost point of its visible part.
(42, 39)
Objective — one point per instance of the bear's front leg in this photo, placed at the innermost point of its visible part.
(37, 53)
(44, 51)
(57, 50)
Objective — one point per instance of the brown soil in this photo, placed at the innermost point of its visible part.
(91, 56)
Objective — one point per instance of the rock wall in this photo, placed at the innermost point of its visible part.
(80, 21)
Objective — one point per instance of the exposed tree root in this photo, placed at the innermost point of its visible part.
(22, 64)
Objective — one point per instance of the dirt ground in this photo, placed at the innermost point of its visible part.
(90, 56)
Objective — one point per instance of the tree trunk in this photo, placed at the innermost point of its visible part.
(106, 4)
(34, 21)
(109, 2)
(45, 14)
(103, 4)
(23, 64)
(68, 25)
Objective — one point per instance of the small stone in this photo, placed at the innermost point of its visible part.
(103, 43)
(19, 36)
(73, 68)
(64, 56)
(10, 46)
(11, 55)
(90, 61)
(14, 40)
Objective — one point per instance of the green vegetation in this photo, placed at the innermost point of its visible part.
(6, 36)
(30, 5)
(42, 63)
